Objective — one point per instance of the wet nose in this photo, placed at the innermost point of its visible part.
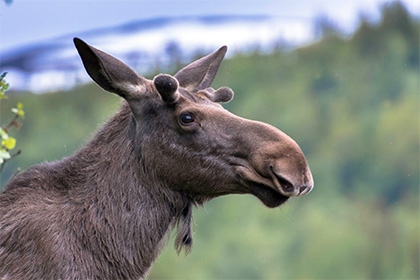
(308, 185)
(304, 190)
(290, 186)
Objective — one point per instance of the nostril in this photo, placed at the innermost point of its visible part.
(286, 185)
(302, 189)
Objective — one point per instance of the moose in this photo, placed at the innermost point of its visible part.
(106, 211)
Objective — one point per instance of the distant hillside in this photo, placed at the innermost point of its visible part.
(147, 45)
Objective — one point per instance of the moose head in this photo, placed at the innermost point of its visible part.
(191, 144)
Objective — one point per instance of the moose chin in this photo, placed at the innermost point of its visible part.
(104, 212)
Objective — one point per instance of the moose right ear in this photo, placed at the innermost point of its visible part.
(110, 73)
(200, 74)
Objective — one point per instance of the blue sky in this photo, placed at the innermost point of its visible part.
(27, 21)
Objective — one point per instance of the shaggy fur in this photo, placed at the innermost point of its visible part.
(104, 212)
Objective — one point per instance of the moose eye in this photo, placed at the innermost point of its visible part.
(186, 118)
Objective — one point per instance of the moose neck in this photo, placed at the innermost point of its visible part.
(129, 212)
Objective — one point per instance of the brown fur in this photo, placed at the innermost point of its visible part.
(104, 212)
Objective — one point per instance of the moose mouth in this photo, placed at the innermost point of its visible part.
(270, 197)
(270, 190)
(271, 186)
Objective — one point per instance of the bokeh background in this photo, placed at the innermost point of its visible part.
(348, 93)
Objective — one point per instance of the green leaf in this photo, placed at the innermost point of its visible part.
(19, 110)
(4, 154)
(3, 86)
(3, 134)
(2, 95)
(8, 143)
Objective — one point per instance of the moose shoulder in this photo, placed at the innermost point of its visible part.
(103, 212)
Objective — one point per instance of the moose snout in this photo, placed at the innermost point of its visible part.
(280, 159)
(292, 182)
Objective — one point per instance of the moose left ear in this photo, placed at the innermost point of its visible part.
(222, 95)
(110, 73)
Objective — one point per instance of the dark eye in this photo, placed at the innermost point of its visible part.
(186, 118)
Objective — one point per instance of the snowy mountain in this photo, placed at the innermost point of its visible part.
(146, 45)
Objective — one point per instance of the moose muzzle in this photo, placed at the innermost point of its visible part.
(280, 164)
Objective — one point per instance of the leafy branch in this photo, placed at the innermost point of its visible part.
(7, 142)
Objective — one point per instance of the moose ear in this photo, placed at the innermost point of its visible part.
(108, 72)
(201, 73)
(222, 95)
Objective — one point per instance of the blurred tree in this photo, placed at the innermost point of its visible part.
(396, 20)
(325, 27)
(368, 41)
(395, 17)
(174, 53)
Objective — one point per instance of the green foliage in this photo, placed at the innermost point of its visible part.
(8, 143)
(352, 105)
(4, 86)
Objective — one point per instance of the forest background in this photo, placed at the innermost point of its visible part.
(351, 102)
